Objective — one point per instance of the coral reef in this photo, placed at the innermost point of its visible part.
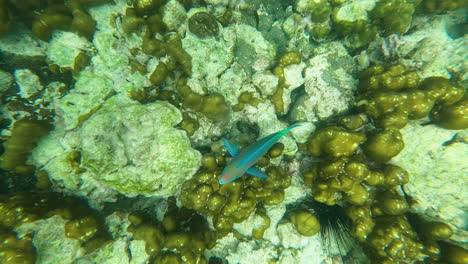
(390, 96)
(235, 202)
(27, 214)
(141, 92)
(168, 243)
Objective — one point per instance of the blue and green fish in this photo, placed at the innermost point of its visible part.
(243, 161)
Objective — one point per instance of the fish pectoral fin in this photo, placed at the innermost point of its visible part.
(257, 172)
(232, 148)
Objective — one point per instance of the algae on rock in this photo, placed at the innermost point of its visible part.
(328, 84)
(125, 147)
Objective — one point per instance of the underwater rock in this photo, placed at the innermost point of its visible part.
(174, 15)
(28, 82)
(437, 170)
(119, 152)
(64, 47)
(210, 57)
(89, 94)
(50, 241)
(329, 84)
(266, 82)
(21, 42)
(6, 80)
(431, 47)
(203, 25)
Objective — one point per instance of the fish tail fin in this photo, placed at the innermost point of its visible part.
(285, 132)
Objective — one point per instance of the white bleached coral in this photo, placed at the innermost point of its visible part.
(329, 84)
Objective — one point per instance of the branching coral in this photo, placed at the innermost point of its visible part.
(390, 96)
(182, 237)
(80, 222)
(393, 94)
(234, 202)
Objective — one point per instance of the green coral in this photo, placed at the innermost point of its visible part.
(234, 202)
(276, 150)
(390, 203)
(174, 48)
(14, 250)
(319, 11)
(394, 16)
(305, 223)
(343, 175)
(82, 229)
(394, 240)
(147, 7)
(292, 57)
(335, 142)
(181, 235)
(384, 145)
(6, 17)
(357, 34)
(213, 106)
(437, 6)
(453, 116)
(351, 122)
(245, 98)
(159, 74)
(393, 95)
(154, 47)
(24, 136)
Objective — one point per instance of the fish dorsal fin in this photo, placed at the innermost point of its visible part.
(257, 172)
(232, 148)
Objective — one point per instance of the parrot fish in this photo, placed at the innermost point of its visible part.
(243, 161)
